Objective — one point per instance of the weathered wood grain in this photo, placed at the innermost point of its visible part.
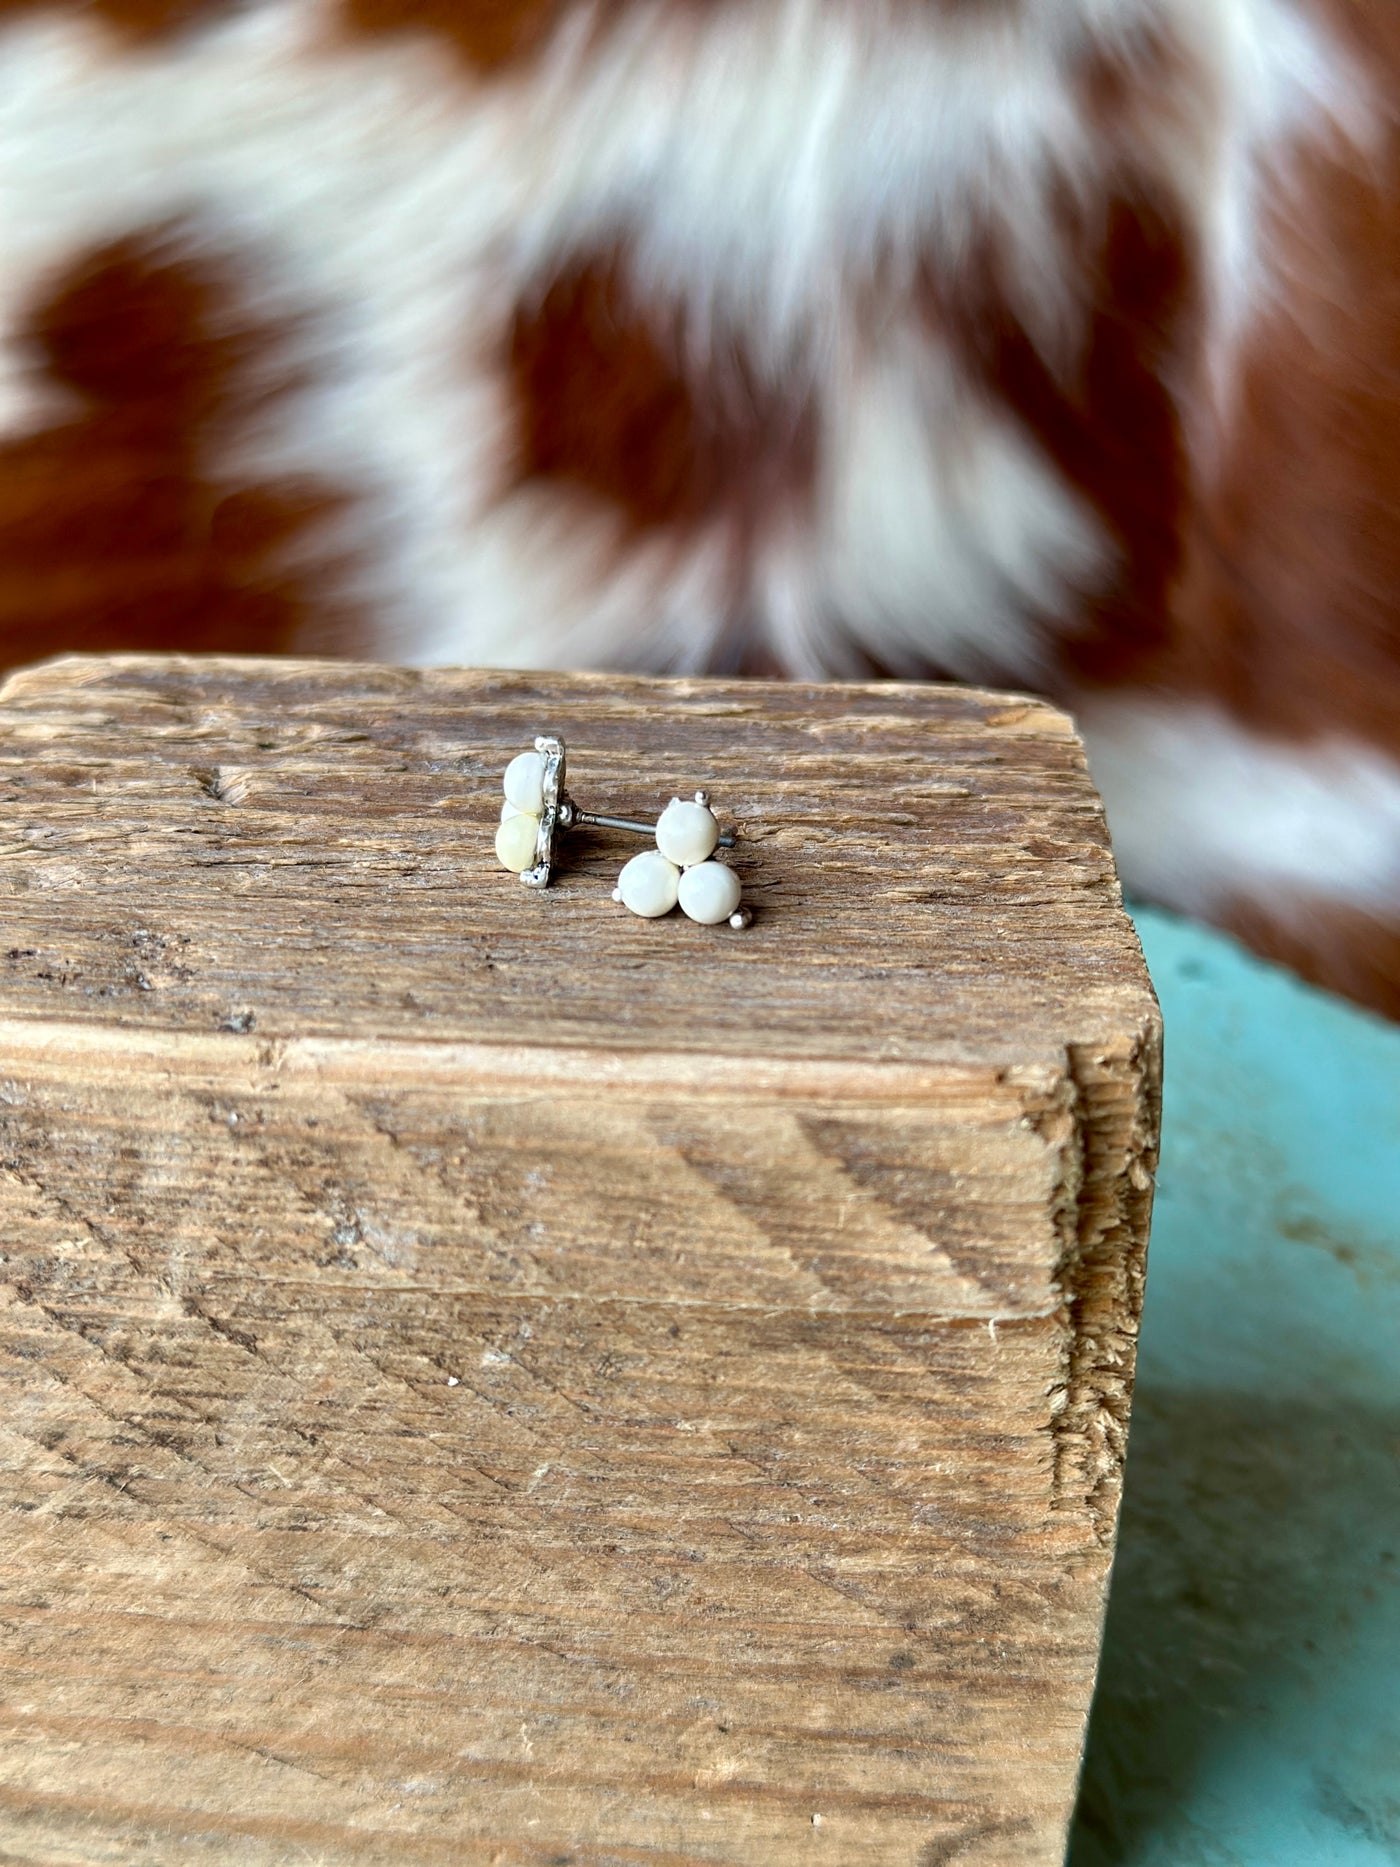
(492, 1380)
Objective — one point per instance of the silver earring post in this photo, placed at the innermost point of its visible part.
(570, 816)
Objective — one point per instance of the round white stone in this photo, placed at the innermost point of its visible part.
(515, 842)
(649, 884)
(687, 833)
(524, 782)
(709, 893)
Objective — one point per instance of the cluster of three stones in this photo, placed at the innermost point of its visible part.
(679, 869)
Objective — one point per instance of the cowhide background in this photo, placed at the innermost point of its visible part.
(1052, 342)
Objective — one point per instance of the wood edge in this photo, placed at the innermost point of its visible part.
(1104, 1216)
(65, 672)
(445, 1061)
(1101, 1282)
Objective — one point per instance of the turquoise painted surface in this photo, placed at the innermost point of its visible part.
(1248, 1712)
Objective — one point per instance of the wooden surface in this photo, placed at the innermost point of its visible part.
(494, 1380)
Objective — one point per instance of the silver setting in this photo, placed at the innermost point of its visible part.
(551, 816)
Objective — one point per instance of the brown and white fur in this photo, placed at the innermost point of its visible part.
(1048, 342)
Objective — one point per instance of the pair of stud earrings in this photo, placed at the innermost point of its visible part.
(680, 871)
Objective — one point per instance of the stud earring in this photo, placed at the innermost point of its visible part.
(534, 788)
(680, 871)
(538, 807)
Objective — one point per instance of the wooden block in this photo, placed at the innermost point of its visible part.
(494, 1380)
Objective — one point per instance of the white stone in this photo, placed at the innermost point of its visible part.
(515, 842)
(687, 833)
(524, 782)
(509, 810)
(709, 893)
(649, 884)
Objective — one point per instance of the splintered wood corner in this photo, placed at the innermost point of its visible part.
(492, 1380)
